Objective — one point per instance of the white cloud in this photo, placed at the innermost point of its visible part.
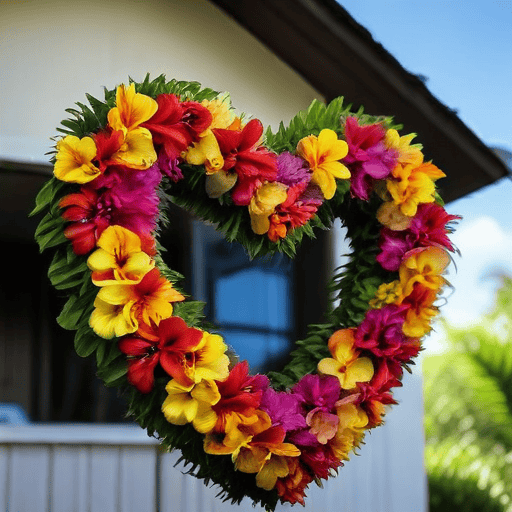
(486, 252)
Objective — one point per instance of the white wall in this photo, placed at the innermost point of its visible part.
(54, 51)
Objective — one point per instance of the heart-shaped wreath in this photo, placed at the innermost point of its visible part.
(119, 162)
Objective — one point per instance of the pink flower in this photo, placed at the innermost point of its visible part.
(318, 395)
(368, 158)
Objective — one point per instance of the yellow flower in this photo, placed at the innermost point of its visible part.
(191, 404)
(265, 453)
(131, 110)
(119, 259)
(137, 150)
(274, 468)
(211, 360)
(387, 293)
(124, 308)
(74, 160)
(220, 109)
(414, 185)
(390, 215)
(351, 426)
(263, 204)
(206, 151)
(346, 363)
(423, 266)
(112, 320)
(408, 154)
(323, 154)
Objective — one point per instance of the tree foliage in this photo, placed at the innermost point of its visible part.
(468, 418)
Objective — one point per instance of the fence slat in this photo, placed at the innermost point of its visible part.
(170, 484)
(105, 468)
(29, 480)
(138, 479)
(5, 453)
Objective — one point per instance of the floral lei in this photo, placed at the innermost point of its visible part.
(118, 163)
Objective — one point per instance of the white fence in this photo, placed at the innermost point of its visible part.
(118, 468)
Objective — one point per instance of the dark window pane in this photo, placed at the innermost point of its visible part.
(257, 348)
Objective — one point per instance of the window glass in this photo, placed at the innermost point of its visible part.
(253, 296)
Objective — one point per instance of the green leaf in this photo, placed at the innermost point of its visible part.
(86, 341)
(114, 374)
(70, 314)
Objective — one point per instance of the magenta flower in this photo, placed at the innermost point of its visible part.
(428, 228)
(169, 166)
(393, 246)
(381, 333)
(284, 409)
(367, 158)
(318, 395)
(134, 200)
(292, 170)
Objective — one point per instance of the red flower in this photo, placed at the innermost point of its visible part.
(301, 204)
(292, 488)
(89, 217)
(118, 197)
(174, 350)
(243, 154)
(375, 394)
(175, 125)
(240, 392)
(107, 143)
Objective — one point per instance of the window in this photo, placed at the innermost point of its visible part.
(249, 301)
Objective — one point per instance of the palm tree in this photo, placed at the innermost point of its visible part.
(468, 415)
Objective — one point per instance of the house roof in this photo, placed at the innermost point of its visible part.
(336, 55)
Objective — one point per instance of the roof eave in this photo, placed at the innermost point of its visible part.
(337, 56)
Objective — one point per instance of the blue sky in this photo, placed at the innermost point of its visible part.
(465, 51)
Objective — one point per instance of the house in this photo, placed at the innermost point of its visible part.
(274, 58)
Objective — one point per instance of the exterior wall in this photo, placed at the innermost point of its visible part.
(53, 52)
